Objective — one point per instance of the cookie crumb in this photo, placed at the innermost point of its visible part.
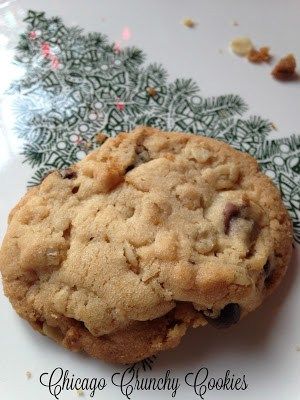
(80, 392)
(259, 56)
(297, 348)
(285, 69)
(28, 374)
(235, 23)
(151, 91)
(241, 46)
(274, 126)
(87, 145)
(100, 138)
(189, 23)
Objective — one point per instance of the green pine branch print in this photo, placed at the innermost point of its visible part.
(78, 84)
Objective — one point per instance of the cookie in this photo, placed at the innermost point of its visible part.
(149, 235)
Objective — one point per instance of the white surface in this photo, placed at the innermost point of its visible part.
(263, 346)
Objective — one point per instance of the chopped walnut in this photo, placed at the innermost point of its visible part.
(259, 56)
(285, 69)
(222, 177)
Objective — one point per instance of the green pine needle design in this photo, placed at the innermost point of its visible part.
(33, 154)
(85, 85)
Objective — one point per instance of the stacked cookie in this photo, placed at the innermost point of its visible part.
(152, 233)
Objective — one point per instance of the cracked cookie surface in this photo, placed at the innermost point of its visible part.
(150, 234)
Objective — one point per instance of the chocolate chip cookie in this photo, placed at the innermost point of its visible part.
(152, 233)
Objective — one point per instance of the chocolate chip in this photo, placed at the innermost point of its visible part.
(75, 189)
(229, 315)
(68, 173)
(231, 212)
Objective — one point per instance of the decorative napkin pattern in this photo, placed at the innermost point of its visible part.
(77, 84)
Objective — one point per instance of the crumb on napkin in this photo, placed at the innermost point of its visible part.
(241, 46)
(259, 56)
(28, 374)
(151, 91)
(274, 126)
(285, 69)
(189, 23)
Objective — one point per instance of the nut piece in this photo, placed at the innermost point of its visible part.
(241, 46)
(189, 23)
(221, 177)
(259, 56)
(285, 69)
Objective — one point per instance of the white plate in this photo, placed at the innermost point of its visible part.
(263, 347)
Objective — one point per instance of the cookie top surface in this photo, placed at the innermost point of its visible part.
(150, 220)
